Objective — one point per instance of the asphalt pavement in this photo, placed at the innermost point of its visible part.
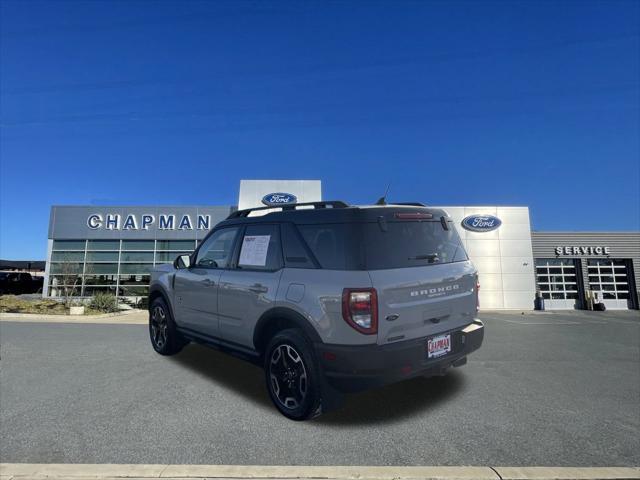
(545, 389)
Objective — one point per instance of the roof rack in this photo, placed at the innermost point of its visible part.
(408, 204)
(290, 206)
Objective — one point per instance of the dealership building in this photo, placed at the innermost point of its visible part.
(113, 249)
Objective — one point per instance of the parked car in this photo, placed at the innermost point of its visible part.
(328, 298)
(17, 283)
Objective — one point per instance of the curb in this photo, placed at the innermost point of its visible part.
(125, 317)
(24, 471)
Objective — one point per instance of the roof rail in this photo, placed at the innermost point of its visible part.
(289, 206)
(408, 204)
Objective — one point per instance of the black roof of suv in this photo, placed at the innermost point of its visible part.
(336, 212)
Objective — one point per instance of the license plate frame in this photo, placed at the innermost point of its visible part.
(439, 346)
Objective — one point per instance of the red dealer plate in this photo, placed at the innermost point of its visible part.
(438, 346)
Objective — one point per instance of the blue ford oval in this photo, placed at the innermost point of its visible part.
(275, 199)
(481, 223)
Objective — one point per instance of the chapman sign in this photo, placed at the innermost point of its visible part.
(589, 250)
(144, 222)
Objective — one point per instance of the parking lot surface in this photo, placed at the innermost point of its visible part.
(545, 389)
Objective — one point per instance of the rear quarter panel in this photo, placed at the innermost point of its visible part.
(316, 294)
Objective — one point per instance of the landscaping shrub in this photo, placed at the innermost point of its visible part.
(104, 302)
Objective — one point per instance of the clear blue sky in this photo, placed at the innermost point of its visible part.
(459, 103)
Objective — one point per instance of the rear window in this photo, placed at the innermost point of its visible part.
(372, 246)
(411, 244)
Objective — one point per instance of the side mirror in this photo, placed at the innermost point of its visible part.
(183, 261)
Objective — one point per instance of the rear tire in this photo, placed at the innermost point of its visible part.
(164, 337)
(292, 375)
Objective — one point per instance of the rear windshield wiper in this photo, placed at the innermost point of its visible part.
(432, 257)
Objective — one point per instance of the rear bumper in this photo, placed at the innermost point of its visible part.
(356, 368)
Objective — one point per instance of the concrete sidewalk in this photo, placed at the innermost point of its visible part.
(126, 317)
(22, 471)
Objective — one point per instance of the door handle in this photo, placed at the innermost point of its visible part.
(258, 288)
(208, 283)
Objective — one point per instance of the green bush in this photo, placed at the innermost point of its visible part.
(104, 302)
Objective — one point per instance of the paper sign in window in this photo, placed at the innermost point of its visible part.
(254, 250)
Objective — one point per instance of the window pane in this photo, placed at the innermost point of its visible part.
(544, 287)
(68, 244)
(97, 268)
(169, 257)
(102, 256)
(100, 279)
(546, 295)
(67, 256)
(255, 254)
(216, 251)
(555, 270)
(138, 245)
(135, 267)
(295, 254)
(129, 291)
(136, 257)
(66, 268)
(103, 245)
(65, 280)
(175, 245)
(572, 295)
(90, 291)
(543, 278)
(557, 296)
(134, 279)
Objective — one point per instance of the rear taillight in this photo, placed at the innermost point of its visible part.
(360, 309)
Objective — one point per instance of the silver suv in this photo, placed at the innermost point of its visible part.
(327, 297)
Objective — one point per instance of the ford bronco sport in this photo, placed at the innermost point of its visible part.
(328, 298)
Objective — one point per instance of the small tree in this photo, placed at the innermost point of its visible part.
(71, 273)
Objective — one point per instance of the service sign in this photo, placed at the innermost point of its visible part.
(481, 223)
(277, 199)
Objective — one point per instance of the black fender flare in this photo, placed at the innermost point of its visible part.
(290, 317)
(159, 291)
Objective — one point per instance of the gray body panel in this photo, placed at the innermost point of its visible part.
(317, 295)
(424, 301)
(243, 297)
(195, 303)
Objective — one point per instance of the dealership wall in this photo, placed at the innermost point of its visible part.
(503, 256)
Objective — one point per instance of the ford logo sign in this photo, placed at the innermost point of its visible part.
(276, 199)
(481, 223)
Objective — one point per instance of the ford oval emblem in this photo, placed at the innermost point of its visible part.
(481, 223)
(276, 199)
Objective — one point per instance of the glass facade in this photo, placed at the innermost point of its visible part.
(120, 267)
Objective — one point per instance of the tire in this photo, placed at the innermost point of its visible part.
(292, 375)
(164, 337)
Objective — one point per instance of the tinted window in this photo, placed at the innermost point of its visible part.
(260, 248)
(295, 253)
(335, 245)
(216, 250)
(411, 244)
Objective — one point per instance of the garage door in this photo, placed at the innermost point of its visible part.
(610, 280)
(557, 282)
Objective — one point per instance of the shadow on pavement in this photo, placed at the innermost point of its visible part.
(397, 401)
(387, 404)
(238, 375)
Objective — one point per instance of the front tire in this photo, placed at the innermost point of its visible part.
(165, 339)
(292, 375)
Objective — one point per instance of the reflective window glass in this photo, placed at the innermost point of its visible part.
(68, 244)
(97, 268)
(103, 245)
(138, 245)
(67, 256)
(102, 256)
(138, 268)
(187, 245)
(136, 257)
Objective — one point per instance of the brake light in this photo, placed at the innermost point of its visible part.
(413, 216)
(360, 309)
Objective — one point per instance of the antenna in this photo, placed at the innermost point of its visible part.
(383, 199)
